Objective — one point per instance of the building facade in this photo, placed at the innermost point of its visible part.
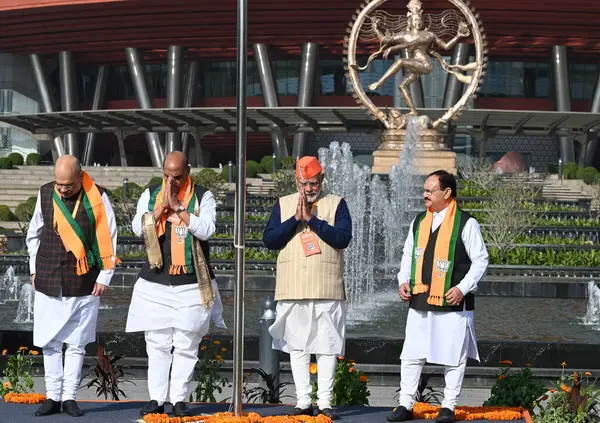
(106, 54)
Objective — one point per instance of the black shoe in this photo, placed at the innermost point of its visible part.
(181, 409)
(48, 407)
(400, 414)
(72, 409)
(302, 411)
(152, 407)
(329, 412)
(445, 416)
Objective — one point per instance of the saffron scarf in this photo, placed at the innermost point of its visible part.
(181, 239)
(443, 256)
(95, 252)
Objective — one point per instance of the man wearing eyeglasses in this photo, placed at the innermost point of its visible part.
(444, 258)
(72, 239)
(311, 229)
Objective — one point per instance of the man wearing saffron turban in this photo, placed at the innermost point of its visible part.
(311, 229)
(71, 240)
(444, 258)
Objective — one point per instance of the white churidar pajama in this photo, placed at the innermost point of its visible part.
(172, 317)
(64, 320)
(446, 338)
(306, 327)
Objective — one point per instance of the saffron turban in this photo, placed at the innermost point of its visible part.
(308, 167)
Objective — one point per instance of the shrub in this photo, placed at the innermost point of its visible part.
(211, 180)
(253, 168)
(155, 180)
(518, 388)
(225, 173)
(6, 215)
(107, 374)
(267, 163)
(588, 174)
(349, 385)
(33, 159)
(18, 373)
(6, 163)
(207, 371)
(16, 159)
(24, 211)
(570, 170)
(288, 163)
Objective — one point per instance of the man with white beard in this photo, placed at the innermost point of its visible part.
(311, 230)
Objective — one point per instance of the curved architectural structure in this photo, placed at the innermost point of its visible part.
(305, 42)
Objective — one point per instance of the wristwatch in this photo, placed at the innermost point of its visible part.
(180, 209)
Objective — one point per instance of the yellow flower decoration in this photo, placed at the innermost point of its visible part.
(341, 357)
(4, 352)
(313, 369)
(217, 342)
(223, 350)
(565, 388)
(34, 352)
(7, 385)
(218, 357)
(363, 379)
(564, 363)
(588, 373)
(23, 348)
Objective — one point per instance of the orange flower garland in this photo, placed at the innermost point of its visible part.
(426, 411)
(24, 398)
(230, 418)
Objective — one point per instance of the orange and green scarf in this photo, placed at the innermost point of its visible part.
(95, 252)
(443, 256)
(181, 249)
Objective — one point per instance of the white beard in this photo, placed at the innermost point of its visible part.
(311, 198)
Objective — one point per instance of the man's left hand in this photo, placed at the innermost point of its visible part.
(99, 289)
(454, 296)
(306, 209)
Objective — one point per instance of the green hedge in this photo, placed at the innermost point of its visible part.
(33, 159)
(6, 215)
(16, 159)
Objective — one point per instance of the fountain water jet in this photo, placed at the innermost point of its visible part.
(9, 290)
(25, 308)
(592, 315)
(381, 213)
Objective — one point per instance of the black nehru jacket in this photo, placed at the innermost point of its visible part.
(162, 275)
(462, 264)
(56, 269)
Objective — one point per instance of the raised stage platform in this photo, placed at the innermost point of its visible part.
(128, 411)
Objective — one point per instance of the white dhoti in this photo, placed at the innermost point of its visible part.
(306, 327)
(58, 320)
(172, 319)
(446, 338)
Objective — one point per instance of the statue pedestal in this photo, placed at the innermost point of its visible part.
(431, 153)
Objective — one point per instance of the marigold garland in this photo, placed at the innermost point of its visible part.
(230, 418)
(429, 412)
(24, 398)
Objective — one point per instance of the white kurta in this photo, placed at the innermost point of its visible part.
(311, 326)
(155, 306)
(439, 337)
(66, 319)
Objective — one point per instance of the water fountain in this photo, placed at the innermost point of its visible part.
(25, 308)
(592, 315)
(381, 213)
(9, 290)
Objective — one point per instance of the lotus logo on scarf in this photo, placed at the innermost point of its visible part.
(181, 232)
(418, 253)
(442, 266)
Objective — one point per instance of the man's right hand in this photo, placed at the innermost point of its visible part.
(300, 207)
(167, 193)
(405, 292)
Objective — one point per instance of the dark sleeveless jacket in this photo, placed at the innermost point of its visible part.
(162, 276)
(462, 264)
(55, 267)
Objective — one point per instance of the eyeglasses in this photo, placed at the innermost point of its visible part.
(432, 191)
(68, 187)
(312, 184)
